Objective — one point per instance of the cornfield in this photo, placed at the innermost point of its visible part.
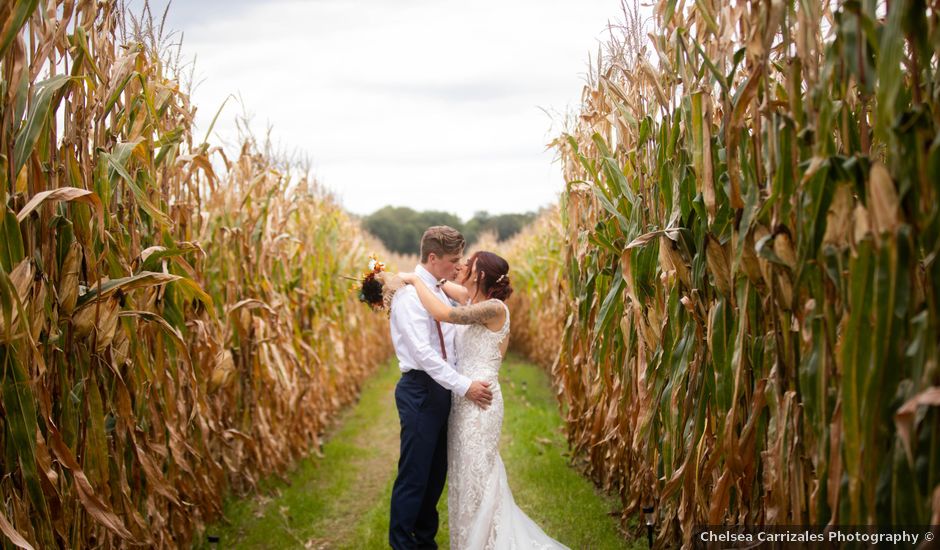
(749, 265)
(538, 304)
(174, 323)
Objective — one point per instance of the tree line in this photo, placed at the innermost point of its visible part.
(400, 228)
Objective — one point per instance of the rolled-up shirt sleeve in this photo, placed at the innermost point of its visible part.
(411, 320)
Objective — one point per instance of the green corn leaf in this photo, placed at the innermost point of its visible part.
(42, 105)
(115, 163)
(19, 406)
(12, 252)
(20, 13)
(612, 303)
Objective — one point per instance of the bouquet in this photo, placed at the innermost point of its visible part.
(377, 286)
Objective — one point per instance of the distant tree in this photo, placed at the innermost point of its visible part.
(434, 217)
(400, 228)
(387, 224)
(507, 225)
(504, 225)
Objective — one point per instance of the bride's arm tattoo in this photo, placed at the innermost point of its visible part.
(476, 314)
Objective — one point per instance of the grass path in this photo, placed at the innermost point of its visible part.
(341, 500)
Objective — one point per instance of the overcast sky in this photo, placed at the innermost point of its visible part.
(420, 103)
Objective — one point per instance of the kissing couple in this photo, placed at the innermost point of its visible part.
(450, 328)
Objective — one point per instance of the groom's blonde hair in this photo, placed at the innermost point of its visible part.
(441, 240)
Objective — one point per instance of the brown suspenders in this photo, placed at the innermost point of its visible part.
(440, 335)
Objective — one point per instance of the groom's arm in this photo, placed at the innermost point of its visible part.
(410, 319)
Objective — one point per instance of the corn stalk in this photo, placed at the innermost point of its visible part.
(751, 232)
(539, 300)
(172, 323)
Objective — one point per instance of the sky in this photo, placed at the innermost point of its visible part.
(431, 104)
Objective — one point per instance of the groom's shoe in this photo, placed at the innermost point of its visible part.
(425, 540)
(414, 543)
(425, 543)
(399, 541)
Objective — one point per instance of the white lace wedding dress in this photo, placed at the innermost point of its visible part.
(483, 514)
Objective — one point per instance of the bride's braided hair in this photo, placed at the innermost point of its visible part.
(492, 275)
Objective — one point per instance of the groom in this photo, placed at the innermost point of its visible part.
(425, 350)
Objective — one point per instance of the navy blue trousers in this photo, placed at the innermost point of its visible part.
(423, 409)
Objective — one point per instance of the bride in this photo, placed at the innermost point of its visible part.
(482, 512)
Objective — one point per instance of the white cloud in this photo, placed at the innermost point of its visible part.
(430, 104)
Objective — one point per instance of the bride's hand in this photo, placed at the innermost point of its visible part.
(390, 281)
(408, 278)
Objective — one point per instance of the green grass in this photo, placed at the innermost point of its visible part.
(342, 499)
(315, 506)
(561, 501)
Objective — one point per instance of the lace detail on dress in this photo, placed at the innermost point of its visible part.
(482, 511)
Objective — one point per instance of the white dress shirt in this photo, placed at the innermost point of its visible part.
(415, 337)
